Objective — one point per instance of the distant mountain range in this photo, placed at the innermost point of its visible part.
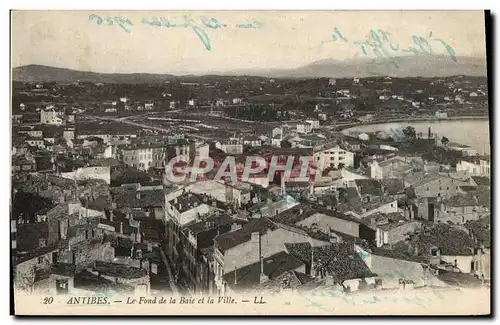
(407, 66)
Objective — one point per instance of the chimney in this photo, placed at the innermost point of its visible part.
(111, 216)
(121, 227)
(138, 195)
(235, 277)
(311, 272)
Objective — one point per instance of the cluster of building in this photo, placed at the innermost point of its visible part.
(379, 218)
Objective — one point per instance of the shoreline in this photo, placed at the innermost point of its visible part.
(404, 120)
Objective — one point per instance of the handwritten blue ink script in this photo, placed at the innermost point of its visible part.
(199, 25)
(377, 44)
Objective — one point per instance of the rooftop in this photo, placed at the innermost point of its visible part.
(304, 210)
(89, 281)
(237, 237)
(461, 200)
(369, 187)
(274, 266)
(481, 180)
(119, 270)
(337, 260)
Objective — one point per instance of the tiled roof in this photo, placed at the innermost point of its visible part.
(237, 237)
(449, 240)
(209, 222)
(467, 188)
(459, 279)
(369, 186)
(186, 202)
(337, 260)
(461, 200)
(89, 281)
(287, 280)
(64, 269)
(28, 235)
(119, 270)
(481, 230)
(128, 198)
(274, 266)
(304, 210)
(481, 180)
(393, 186)
(483, 195)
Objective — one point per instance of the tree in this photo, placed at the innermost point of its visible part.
(445, 141)
(409, 132)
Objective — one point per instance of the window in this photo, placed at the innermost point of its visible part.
(40, 259)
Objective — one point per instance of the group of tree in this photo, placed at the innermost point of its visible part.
(254, 113)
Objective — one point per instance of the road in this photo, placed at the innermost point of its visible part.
(145, 126)
(171, 280)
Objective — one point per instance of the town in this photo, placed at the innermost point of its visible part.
(93, 209)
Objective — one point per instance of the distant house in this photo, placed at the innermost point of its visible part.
(333, 155)
(51, 116)
(390, 168)
(459, 209)
(304, 128)
(252, 141)
(276, 137)
(474, 167)
(364, 136)
(441, 114)
(432, 186)
(234, 147)
(314, 124)
(392, 227)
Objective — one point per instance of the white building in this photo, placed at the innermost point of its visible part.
(237, 101)
(304, 127)
(364, 136)
(84, 173)
(333, 156)
(232, 147)
(51, 116)
(441, 114)
(314, 124)
(191, 102)
(480, 167)
(276, 137)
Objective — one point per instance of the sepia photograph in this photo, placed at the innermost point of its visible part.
(256, 162)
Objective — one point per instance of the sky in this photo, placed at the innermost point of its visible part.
(278, 39)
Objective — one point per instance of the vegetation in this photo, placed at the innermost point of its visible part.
(257, 113)
(128, 175)
(445, 141)
(410, 133)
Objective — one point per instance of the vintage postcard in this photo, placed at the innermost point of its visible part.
(250, 163)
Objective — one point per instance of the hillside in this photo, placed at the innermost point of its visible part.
(408, 66)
